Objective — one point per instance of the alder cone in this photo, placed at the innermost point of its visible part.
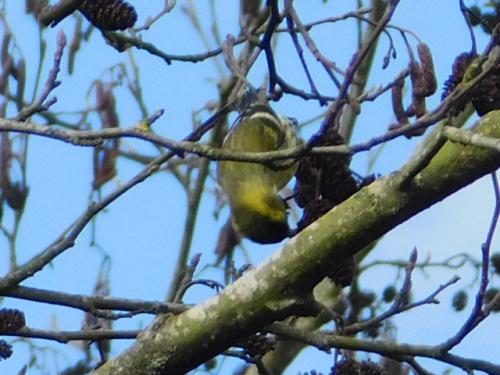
(485, 96)
(5, 350)
(458, 69)
(109, 14)
(322, 182)
(11, 320)
(487, 93)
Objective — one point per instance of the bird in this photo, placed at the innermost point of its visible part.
(258, 212)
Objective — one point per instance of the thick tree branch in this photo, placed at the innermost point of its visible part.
(176, 344)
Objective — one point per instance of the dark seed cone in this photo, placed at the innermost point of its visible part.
(389, 294)
(486, 96)
(372, 368)
(349, 366)
(458, 69)
(346, 366)
(5, 350)
(325, 176)
(15, 196)
(342, 273)
(459, 300)
(259, 344)
(109, 14)
(489, 296)
(486, 20)
(324, 181)
(313, 210)
(11, 320)
(495, 262)
(372, 332)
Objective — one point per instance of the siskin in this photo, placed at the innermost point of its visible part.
(258, 212)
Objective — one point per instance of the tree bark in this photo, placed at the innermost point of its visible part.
(175, 344)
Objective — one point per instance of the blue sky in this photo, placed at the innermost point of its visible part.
(142, 230)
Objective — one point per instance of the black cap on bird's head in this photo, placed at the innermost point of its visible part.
(262, 220)
(265, 231)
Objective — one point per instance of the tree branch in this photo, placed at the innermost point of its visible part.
(66, 336)
(52, 15)
(468, 137)
(391, 349)
(92, 303)
(274, 290)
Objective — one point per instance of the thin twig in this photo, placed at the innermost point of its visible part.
(300, 53)
(265, 44)
(400, 305)
(436, 140)
(68, 237)
(478, 313)
(454, 262)
(67, 336)
(187, 278)
(328, 66)
(92, 303)
(353, 67)
(167, 8)
(52, 15)
(387, 348)
(42, 104)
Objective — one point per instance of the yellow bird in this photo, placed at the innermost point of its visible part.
(258, 212)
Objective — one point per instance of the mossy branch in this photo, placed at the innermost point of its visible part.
(274, 290)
